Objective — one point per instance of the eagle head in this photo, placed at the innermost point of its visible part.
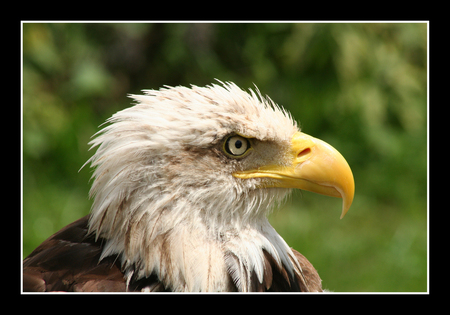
(185, 178)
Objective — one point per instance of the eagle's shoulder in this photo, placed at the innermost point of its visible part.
(310, 277)
(69, 261)
(278, 279)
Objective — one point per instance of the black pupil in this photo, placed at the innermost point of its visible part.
(238, 144)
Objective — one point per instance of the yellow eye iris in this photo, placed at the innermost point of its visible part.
(237, 146)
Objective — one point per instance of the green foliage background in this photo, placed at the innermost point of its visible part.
(360, 87)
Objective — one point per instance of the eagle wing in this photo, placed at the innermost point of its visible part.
(278, 279)
(69, 261)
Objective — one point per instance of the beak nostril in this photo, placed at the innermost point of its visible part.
(303, 152)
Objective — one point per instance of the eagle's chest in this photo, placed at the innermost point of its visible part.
(186, 260)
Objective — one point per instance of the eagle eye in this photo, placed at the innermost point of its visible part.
(236, 146)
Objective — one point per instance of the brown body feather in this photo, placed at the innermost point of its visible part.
(69, 261)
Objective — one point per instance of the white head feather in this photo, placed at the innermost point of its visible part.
(165, 197)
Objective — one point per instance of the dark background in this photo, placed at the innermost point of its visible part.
(360, 87)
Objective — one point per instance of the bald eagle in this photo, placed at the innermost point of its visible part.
(182, 184)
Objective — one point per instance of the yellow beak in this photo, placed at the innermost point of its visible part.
(312, 165)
